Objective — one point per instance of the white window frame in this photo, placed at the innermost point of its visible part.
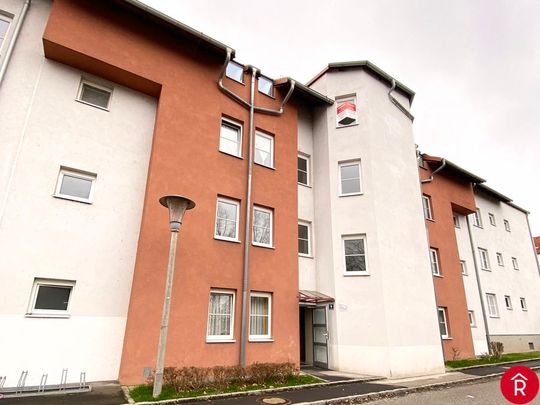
(515, 264)
(49, 313)
(307, 158)
(85, 82)
(268, 211)
(523, 303)
(230, 336)
(426, 204)
(507, 225)
(493, 309)
(271, 138)
(484, 259)
(443, 311)
(308, 225)
(350, 163)
(435, 261)
(463, 265)
(341, 100)
(457, 223)
(237, 204)
(236, 64)
(500, 259)
(267, 79)
(477, 218)
(508, 302)
(238, 127)
(84, 175)
(492, 219)
(472, 319)
(267, 336)
(6, 39)
(354, 237)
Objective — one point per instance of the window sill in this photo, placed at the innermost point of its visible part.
(266, 94)
(261, 340)
(356, 274)
(446, 338)
(478, 226)
(263, 246)
(306, 256)
(230, 154)
(494, 316)
(430, 219)
(221, 341)
(346, 126)
(485, 269)
(92, 105)
(438, 275)
(268, 167)
(351, 194)
(69, 198)
(305, 185)
(235, 80)
(227, 240)
(59, 316)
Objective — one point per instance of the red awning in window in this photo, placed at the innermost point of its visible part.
(314, 297)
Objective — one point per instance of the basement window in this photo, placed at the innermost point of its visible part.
(50, 297)
(94, 95)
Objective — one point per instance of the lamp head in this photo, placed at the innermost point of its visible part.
(177, 206)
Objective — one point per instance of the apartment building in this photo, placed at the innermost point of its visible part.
(483, 262)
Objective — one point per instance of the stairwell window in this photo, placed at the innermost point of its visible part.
(50, 298)
(426, 202)
(500, 260)
(523, 304)
(266, 86)
(443, 324)
(235, 71)
(493, 310)
(349, 178)
(220, 316)
(463, 265)
(508, 302)
(434, 258)
(515, 263)
(477, 218)
(492, 219)
(484, 259)
(264, 149)
(262, 226)
(304, 236)
(227, 219)
(260, 316)
(354, 248)
(346, 114)
(506, 225)
(94, 95)
(230, 138)
(75, 185)
(303, 170)
(472, 319)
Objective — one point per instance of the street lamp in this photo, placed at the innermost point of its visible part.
(177, 206)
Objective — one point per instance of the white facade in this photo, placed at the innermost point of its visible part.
(514, 274)
(384, 321)
(92, 246)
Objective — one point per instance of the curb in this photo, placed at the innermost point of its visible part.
(450, 369)
(240, 394)
(400, 392)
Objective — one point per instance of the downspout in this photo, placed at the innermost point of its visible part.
(247, 233)
(480, 292)
(11, 46)
(437, 170)
(397, 103)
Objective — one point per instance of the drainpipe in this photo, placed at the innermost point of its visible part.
(11, 46)
(397, 103)
(247, 234)
(437, 170)
(480, 292)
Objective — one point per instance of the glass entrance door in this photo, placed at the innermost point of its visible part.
(320, 338)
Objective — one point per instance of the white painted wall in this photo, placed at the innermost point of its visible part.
(46, 237)
(383, 323)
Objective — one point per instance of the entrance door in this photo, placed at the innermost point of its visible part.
(320, 338)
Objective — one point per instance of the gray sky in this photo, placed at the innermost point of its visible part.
(474, 65)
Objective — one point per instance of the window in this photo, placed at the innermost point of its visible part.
(508, 302)
(304, 234)
(484, 259)
(456, 221)
(500, 260)
(434, 258)
(264, 149)
(506, 225)
(230, 138)
(4, 26)
(262, 226)
(75, 185)
(260, 316)
(266, 85)
(493, 311)
(303, 170)
(477, 218)
(349, 178)
(443, 325)
(515, 263)
(235, 71)
(426, 201)
(523, 304)
(346, 111)
(472, 319)
(220, 315)
(50, 297)
(227, 219)
(354, 248)
(492, 219)
(94, 95)
(463, 265)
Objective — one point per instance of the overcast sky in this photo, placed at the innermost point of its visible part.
(474, 65)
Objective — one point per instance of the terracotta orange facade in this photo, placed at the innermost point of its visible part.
(115, 42)
(449, 191)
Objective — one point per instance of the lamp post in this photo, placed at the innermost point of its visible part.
(177, 206)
